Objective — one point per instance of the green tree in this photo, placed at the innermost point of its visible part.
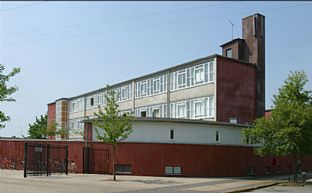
(40, 129)
(288, 131)
(6, 91)
(115, 127)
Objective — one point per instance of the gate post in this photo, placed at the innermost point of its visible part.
(25, 159)
(66, 161)
(48, 157)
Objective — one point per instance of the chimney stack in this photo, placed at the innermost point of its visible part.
(254, 36)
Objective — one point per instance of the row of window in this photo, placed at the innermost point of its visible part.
(75, 124)
(193, 76)
(193, 109)
(151, 86)
(152, 111)
(124, 93)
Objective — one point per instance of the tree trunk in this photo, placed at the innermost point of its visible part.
(114, 165)
(296, 169)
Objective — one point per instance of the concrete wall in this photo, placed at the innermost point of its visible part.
(185, 133)
(193, 92)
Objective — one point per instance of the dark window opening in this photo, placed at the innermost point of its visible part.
(217, 136)
(171, 134)
(228, 53)
(173, 170)
(123, 169)
(143, 113)
(92, 101)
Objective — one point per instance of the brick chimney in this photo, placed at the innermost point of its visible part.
(254, 36)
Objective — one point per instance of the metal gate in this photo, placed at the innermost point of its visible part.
(44, 159)
(95, 161)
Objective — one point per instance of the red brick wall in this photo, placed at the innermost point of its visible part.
(51, 112)
(151, 159)
(236, 94)
(51, 116)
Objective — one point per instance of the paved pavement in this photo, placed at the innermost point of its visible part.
(12, 181)
(288, 189)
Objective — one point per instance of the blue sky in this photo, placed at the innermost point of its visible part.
(68, 48)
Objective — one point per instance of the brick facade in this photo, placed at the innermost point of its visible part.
(151, 159)
(236, 91)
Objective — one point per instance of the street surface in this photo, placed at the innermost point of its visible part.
(12, 181)
(288, 189)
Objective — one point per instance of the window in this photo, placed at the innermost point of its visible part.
(143, 88)
(217, 136)
(73, 106)
(199, 74)
(92, 101)
(228, 53)
(181, 110)
(181, 78)
(233, 120)
(125, 93)
(143, 113)
(99, 99)
(211, 72)
(156, 85)
(171, 134)
(211, 106)
(199, 108)
(123, 169)
(173, 170)
(156, 113)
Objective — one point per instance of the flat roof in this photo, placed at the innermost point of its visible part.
(232, 41)
(175, 120)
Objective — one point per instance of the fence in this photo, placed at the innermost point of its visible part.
(44, 159)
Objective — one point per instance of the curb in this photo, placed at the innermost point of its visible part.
(254, 188)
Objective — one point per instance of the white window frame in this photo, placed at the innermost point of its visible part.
(178, 110)
(143, 83)
(181, 73)
(125, 93)
(199, 70)
(199, 101)
(156, 109)
(156, 80)
(210, 106)
(211, 75)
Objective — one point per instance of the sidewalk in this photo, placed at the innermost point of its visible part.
(12, 181)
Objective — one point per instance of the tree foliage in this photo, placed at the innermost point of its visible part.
(288, 131)
(6, 91)
(40, 129)
(114, 126)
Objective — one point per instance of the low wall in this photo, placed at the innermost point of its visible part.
(151, 159)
